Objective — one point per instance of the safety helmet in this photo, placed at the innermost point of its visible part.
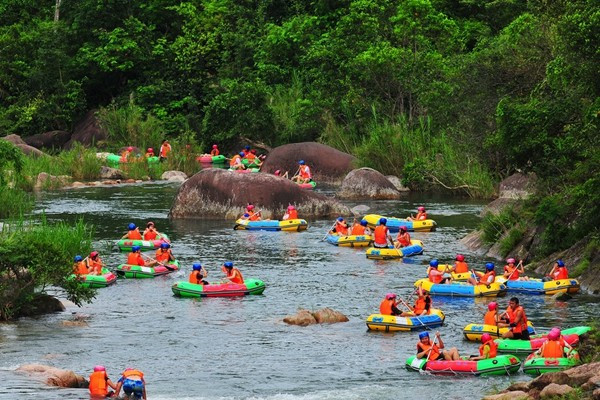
(510, 261)
(214, 146)
(253, 151)
(242, 154)
(277, 173)
(404, 228)
(560, 263)
(246, 215)
(434, 263)
(130, 148)
(93, 254)
(228, 264)
(150, 223)
(492, 306)
(340, 219)
(423, 335)
(164, 245)
(136, 248)
(247, 147)
(363, 222)
(382, 221)
(98, 368)
(78, 258)
(390, 296)
(249, 207)
(489, 266)
(131, 226)
(486, 337)
(291, 207)
(197, 267)
(301, 162)
(421, 208)
(554, 334)
(460, 257)
(150, 150)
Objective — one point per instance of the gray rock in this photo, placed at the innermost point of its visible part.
(397, 182)
(361, 209)
(516, 395)
(518, 186)
(174, 176)
(47, 181)
(554, 389)
(110, 173)
(49, 140)
(87, 131)
(367, 183)
(27, 149)
(474, 242)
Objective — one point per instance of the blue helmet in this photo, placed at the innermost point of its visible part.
(246, 215)
(434, 263)
(131, 226)
(363, 222)
(228, 264)
(423, 335)
(78, 258)
(164, 245)
(382, 221)
(301, 162)
(136, 248)
(242, 154)
(489, 266)
(340, 219)
(197, 267)
(560, 263)
(247, 147)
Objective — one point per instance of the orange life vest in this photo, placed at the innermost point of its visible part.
(433, 354)
(404, 239)
(561, 273)
(292, 214)
(380, 234)
(512, 315)
(490, 318)
(305, 172)
(95, 266)
(162, 256)
(195, 277)
(341, 229)
(165, 148)
(358, 229)
(513, 273)
(134, 235)
(385, 307)
(135, 259)
(493, 352)
(98, 385)
(419, 305)
(461, 267)
(435, 276)
(251, 157)
(553, 349)
(236, 276)
(253, 216)
(150, 235)
(421, 216)
(214, 152)
(132, 372)
(483, 280)
(234, 160)
(80, 268)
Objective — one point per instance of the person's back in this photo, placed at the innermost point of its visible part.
(79, 268)
(134, 235)
(236, 276)
(358, 229)
(135, 258)
(380, 236)
(434, 275)
(490, 318)
(461, 267)
(553, 349)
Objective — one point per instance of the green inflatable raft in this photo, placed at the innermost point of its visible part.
(114, 160)
(500, 365)
(139, 272)
(96, 281)
(540, 365)
(187, 289)
(127, 244)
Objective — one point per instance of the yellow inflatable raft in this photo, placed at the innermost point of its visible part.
(537, 286)
(375, 253)
(394, 224)
(462, 277)
(390, 323)
(461, 289)
(474, 331)
(350, 240)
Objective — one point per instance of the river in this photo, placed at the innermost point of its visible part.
(239, 348)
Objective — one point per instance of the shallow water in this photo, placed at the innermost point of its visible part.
(239, 348)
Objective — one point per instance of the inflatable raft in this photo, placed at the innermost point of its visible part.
(570, 336)
(290, 225)
(127, 244)
(500, 365)
(374, 253)
(540, 365)
(208, 159)
(244, 171)
(114, 160)
(308, 186)
(394, 224)
(350, 240)
(138, 272)
(390, 323)
(537, 286)
(474, 331)
(248, 164)
(96, 281)
(462, 289)
(461, 277)
(187, 289)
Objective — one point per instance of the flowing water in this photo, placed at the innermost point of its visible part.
(239, 348)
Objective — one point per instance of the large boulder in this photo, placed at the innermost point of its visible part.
(326, 163)
(110, 173)
(302, 318)
(367, 183)
(517, 186)
(174, 176)
(323, 316)
(27, 149)
(87, 131)
(54, 376)
(47, 181)
(218, 193)
(554, 390)
(40, 305)
(516, 395)
(49, 140)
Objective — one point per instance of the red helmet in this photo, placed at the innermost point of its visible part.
(98, 368)
(150, 150)
(404, 228)
(290, 207)
(93, 254)
(421, 208)
(390, 296)
(554, 334)
(130, 148)
(486, 337)
(460, 257)
(214, 146)
(510, 261)
(250, 207)
(492, 306)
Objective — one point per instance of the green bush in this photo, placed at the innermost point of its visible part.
(495, 225)
(511, 239)
(15, 202)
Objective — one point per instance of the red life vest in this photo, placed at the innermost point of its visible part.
(214, 152)
(561, 273)
(486, 277)
(419, 305)
(135, 259)
(433, 354)
(162, 256)
(385, 307)
(421, 216)
(358, 229)
(490, 318)
(493, 348)
(98, 385)
(461, 267)
(305, 172)
(80, 268)
(380, 234)
(134, 235)
(435, 276)
(553, 349)
(132, 372)
(404, 239)
(512, 315)
(341, 228)
(236, 276)
(292, 214)
(150, 235)
(513, 272)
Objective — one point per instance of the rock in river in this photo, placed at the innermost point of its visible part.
(367, 183)
(53, 376)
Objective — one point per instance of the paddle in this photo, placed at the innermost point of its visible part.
(160, 263)
(416, 316)
(422, 371)
(329, 230)
(513, 271)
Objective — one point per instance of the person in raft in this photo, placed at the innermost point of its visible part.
(100, 383)
(480, 278)
(133, 233)
(491, 317)
(559, 271)
(422, 304)
(232, 275)
(403, 238)
(517, 321)
(149, 152)
(291, 213)
(150, 233)
(421, 215)
(125, 154)
(554, 346)
(251, 214)
(488, 348)
(245, 151)
(163, 254)
(136, 258)
(381, 235)
(94, 263)
(511, 272)
(281, 175)
(460, 266)
(436, 276)
(251, 156)
(304, 174)
(215, 150)
(388, 305)
(361, 228)
(79, 267)
(198, 274)
(133, 384)
(432, 351)
(165, 149)
(341, 227)
(236, 162)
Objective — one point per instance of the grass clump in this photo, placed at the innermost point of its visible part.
(495, 225)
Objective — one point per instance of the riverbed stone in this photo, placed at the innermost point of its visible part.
(325, 162)
(516, 395)
(367, 183)
(20, 143)
(48, 140)
(555, 390)
(110, 173)
(87, 131)
(397, 182)
(301, 318)
(596, 394)
(47, 181)
(517, 186)
(328, 316)
(217, 193)
(54, 376)
(174, 176)
(522, 386)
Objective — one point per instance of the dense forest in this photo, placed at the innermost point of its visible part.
(454, 93)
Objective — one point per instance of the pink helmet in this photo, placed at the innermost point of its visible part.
(460, 257)
(277, 173)
(421, 208)
(290, 207)
(510, 261)
(98, 368)
(130, 148)
(492, 306)
(250, 207)
(214, 146)
(93, 254)
(554, 334)
(486, 337)
(404, 228)
(390, 296)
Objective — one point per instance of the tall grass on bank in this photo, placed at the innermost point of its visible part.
(15, 202)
